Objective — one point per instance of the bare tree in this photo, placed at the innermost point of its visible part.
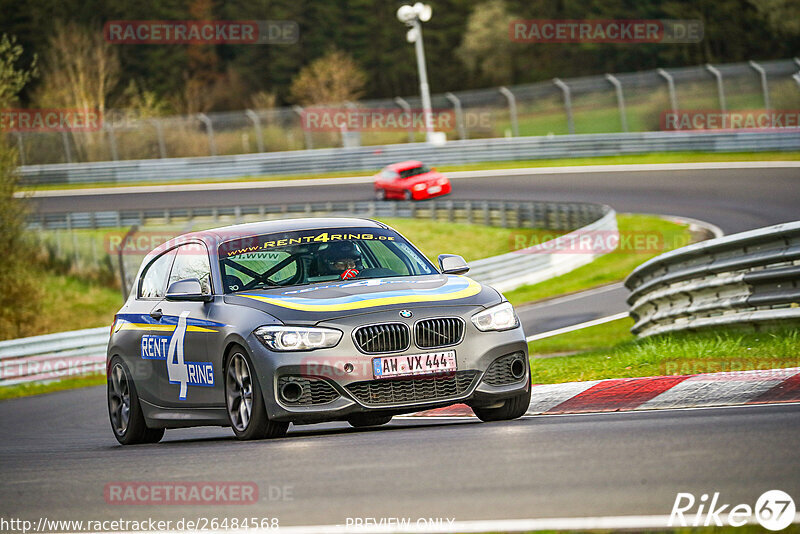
(486, 49)
(81, 69)
(332, 78)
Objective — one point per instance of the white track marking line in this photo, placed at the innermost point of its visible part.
(579, 326)
(312, 182)
(501, 525)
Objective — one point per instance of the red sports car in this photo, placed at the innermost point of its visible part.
(410, 180)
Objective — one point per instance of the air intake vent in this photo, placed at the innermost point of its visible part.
(306, 391)
(390, 391)
(381, 338)
(434, 333)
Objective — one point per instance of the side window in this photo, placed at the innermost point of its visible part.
(389, 175)
(191, 261)
(153, 283)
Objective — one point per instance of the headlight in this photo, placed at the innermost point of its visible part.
(419, 187)
(284, 338)
(500, 317)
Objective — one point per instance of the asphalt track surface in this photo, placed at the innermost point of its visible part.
(57, 452)
(735, 200)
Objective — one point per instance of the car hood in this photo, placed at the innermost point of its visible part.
(330, 300)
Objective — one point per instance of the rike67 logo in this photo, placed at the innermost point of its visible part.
(773, 510)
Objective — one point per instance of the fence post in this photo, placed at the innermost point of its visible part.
(162, 146)
(212, 146)
(764, 87)
(720, 90)
(306, 134)
(673, 98)
(462, 131)
(620, 100)
(257, 125)
(112, 141)
(512, 110)
(797, 78)
(67, 153)
(122, 277)
(567, 103)
(21, 148)
(403, 104)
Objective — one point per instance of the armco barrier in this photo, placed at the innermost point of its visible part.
(53, 356)
(375, 157)
(749, 279)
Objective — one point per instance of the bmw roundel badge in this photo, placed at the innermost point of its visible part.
(406, 314)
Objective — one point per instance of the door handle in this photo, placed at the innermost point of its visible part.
(156, 314)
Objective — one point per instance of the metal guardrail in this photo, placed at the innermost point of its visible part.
(56, 356)
(376, 157)
(749, 279)
(53, 356)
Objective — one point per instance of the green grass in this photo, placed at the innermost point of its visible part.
(72, 303)
(25, 390)
(665, 157)
(614, 266)
(471, 241)
(611, 352)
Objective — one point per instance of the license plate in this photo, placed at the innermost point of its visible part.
(414, 364)
(435, 189)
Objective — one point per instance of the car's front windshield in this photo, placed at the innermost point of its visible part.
(415, 171)
(310, 256)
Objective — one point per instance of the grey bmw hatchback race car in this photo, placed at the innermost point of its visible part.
(259, 325)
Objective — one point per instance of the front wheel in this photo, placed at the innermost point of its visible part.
(124, 410)
(245, 403)
(380, 194)
(512, 408)
(407, 195)
(368, 419)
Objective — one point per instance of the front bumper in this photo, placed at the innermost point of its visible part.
(337, 394)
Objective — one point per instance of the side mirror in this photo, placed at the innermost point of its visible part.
(187, 290)
(452, 264)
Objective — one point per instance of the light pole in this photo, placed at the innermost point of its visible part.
(412, 16)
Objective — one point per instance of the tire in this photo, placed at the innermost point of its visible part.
(512, 408)
(380, 194)
(407, 195)
(368, 419)
(124, 409)
(244, 402)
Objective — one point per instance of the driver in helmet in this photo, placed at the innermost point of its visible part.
(341, 258)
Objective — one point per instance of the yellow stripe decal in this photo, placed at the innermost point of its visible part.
(162, 327)
(473, 288)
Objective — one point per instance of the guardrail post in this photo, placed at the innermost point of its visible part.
(512, 110)
(67, 153)
(797, 78)
(468, 207)
(620, 100)
(487, 217)
(673, 98)
(462, 131)
(112, 141)
(404, 105)
(764, 86)
(720, 90)
(212, 145)
(567, 103)
(306, 133)
(257, 125)
(162, 146)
